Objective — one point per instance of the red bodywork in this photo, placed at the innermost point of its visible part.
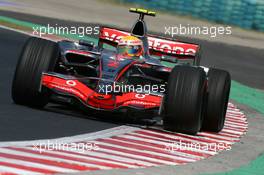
(157, 45)
(73, 87)
(100, 101)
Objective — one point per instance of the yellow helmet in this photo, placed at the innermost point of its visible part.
(130, 46)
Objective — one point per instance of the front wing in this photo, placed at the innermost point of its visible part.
(69, 85)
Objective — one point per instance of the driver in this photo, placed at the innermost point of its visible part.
(130, 47)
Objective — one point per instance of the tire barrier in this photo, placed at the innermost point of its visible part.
(248, 14)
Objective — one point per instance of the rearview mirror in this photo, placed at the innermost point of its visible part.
(89, 44)
(168, 59)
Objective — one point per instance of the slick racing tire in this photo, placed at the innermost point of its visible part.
(38, 55)
(219, 82)
(184, 100)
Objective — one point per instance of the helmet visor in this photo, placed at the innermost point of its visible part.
(131, 50)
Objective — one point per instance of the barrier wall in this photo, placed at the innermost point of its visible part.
(248, 14)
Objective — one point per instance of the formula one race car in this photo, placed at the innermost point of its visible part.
(126, 71)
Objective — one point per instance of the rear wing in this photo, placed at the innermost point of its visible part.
(158, 46)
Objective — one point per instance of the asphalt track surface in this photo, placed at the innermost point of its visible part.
(22, 123)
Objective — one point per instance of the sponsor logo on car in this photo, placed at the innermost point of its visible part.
(71, 83)
(69, 90)
(163, 45)
(143, 103)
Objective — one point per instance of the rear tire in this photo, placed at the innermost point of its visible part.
(219, 82)
(184, 100)
(38, 55)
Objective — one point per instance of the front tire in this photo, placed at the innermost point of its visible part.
(184, 100)
(38, 55)
(219, 82)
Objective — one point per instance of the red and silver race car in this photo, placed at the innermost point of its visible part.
(166, 79)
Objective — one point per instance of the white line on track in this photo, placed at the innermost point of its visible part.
(8, 170)
(83, 137)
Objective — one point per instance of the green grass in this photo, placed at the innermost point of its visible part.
(256, 167)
